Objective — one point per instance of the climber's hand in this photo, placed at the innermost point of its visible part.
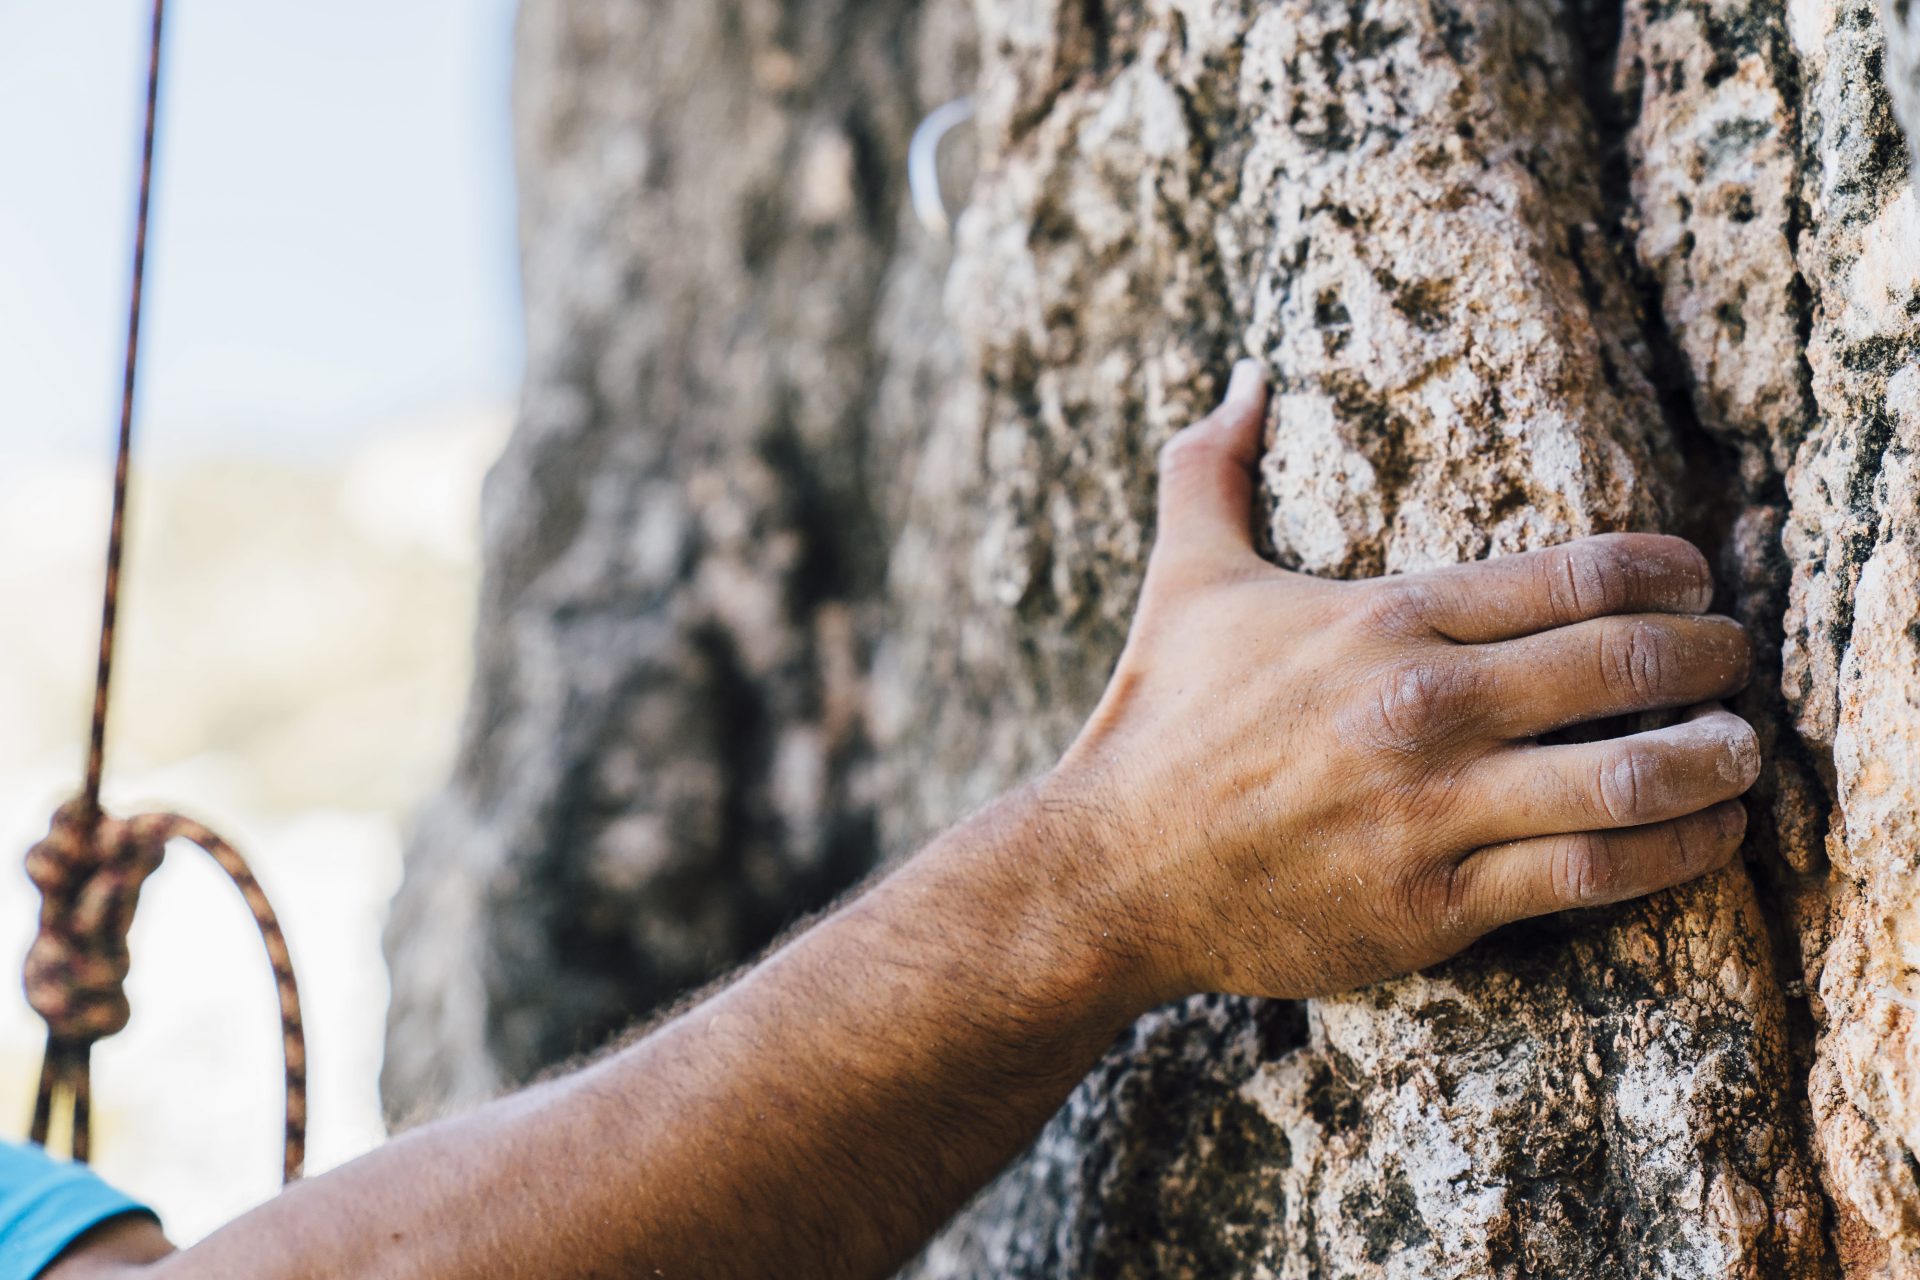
(1310, 784)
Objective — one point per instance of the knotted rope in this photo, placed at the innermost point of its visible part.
(89, 871)
(91, 865)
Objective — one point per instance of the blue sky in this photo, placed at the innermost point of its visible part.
(332, 245)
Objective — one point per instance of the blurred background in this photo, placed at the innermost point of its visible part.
(330, 353)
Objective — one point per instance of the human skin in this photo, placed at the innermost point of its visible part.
(1291, 787)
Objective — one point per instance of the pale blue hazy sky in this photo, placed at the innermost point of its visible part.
(332, 241)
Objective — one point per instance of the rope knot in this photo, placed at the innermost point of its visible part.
(89, 870)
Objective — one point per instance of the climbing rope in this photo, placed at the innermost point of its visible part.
(91, 865)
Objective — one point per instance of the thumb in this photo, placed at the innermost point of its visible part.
(1207, 473)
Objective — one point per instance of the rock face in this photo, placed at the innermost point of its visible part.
(1521, 270)
(1403, 210)
(664, 754)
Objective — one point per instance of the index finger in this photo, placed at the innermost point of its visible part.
(1534, 591)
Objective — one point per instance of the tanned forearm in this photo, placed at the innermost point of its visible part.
(821, 1116)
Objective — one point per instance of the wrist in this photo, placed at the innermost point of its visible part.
(1121, 884)
(1054, 869)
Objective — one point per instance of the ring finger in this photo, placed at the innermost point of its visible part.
(1631, 781)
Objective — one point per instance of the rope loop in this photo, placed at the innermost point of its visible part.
(89, 870)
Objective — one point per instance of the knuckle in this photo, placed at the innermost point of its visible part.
(1634, 661)
(1585, 868)
(1200, 444)
(1397, 606)
(1417, 703)
(1219, 418)
(1621, 789)
(1591, 577)
(1448, 900)
(1184, 449)
(1433, 897)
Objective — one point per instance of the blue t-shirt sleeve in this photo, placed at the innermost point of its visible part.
(46, 1204)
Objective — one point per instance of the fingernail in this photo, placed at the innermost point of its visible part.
(1246, 378)
(1733, 821)
(1743, 754)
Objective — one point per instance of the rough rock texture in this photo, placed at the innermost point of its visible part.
(663, 760)
(1401, 208)
(1852, 639)
(1522, 270)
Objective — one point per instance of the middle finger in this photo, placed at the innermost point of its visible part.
(1611, 667)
